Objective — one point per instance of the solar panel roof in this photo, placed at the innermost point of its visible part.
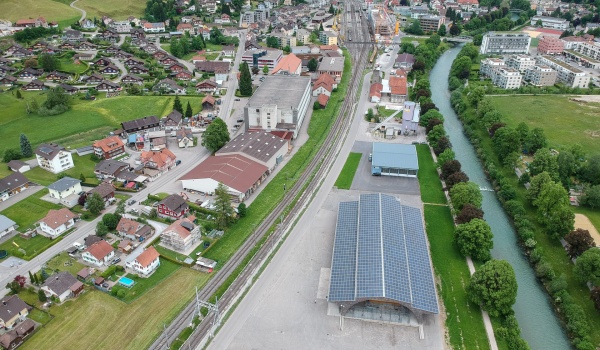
(380, 251)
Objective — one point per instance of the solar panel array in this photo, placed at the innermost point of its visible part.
(380, 251)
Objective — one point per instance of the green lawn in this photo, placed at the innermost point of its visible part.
(83, 165)
(169, 253)
(344, 180)
(463, 319)
(117, 9)
(84, 122)
(97, 320)
(564, 122)
(29, 210)
(51, 10)
(318, 129)
(33, 246)
(67, 65)
(431, 187)
(142, 285)
(63, 262)
(40, 316)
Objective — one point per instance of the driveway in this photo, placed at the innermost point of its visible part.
(121, 67)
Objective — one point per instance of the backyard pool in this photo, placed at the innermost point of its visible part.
(127, 282)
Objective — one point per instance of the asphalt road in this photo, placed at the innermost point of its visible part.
(83, 13)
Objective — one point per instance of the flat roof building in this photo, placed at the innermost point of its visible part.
(431, 23)
(381, 262)
(550, 22)
(506, 78)
(394, 160)
(549, 45)
(261, 147)
(279, 103)
(520, 62)
(541, 76)
(488, 65)
(261, 58)
(567, 74)
(505, 43)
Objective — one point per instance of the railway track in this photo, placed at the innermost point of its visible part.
(308, 182)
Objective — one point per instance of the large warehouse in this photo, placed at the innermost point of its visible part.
(279, 103)
(381, 268)
(394, 160)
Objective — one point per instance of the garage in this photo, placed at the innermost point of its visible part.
(394, 160)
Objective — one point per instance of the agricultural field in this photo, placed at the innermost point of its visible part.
(84, 122)
(49, 9)
(564, 121)
(73, 328)
(116, 9)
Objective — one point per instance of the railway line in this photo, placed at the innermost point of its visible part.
(303, 189)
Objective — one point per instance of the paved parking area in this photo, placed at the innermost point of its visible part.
(364, 181)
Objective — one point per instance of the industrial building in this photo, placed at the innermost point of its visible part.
(411, 114)
(381, 268)
(261, 147)
(261, 58)
(279, 103)
(498, 43)
(551, 22)
(394, 160)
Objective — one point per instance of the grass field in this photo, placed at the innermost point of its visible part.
(29, 210)
(50, 10)
(86, 121)
(142, 285)
(97, 320)
(117, 9)
(564, 122)
(83, 165)
(431, 187)
(33, 246)
(344, 180)
(67, 65)
(58, 263)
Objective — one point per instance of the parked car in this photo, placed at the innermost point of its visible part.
(131, 202)
(237, 99)
(177, 162)
(116, 261)
(370, 157)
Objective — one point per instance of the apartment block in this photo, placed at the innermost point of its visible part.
(489, 64)
(539, 75)
(506, 78)
(505, 43)
(592, 50)
(550, 46)
(520, 62)
(568, 75)
(431, 23)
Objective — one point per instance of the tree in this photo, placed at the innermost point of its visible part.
(331, 9)
(26, 150)
(429, 115)
(42, 296)
(188, 111)
(435, 134)
(18, 94)
(153, 213)
(491, 118)
(431, 124)
(595, 296)
(535, 140)
(523, 130)
(445, 156)
(544, 160)
(223, 206)
(455, 29)
(176, 49)
(316, 106)
(31, 279)
(579, 241)
(474, 239)
(101, 229)
(465, 193)
(242, 210)
(312, 65)
(216, 135)
(265, 69)
(554, 210)
(505, 142)
(111, 220)
(461, 68)
(120, 208)
(11, 154)
(225, 9)
(56, 102)
(468, 213)
(272, 42)
(442, 30)
(48, 62)
(591, 171)
(216, 36)
(415, 28)
(441, 145)
(567, 167)
(450, 168)
(177, 106)
(32, 62)
(95, 204)
(456, 178)
(44, 274)
(494, 287)
(536, 184)
(587, 266)
(476, 95)
(591, 197)
(245, 80)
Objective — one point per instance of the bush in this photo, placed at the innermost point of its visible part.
(536, 255)
(514, 208)
(544, 270)
(121, 293)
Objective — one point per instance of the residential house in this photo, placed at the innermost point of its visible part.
(140, 124)
(133, 230)
(132, 79)
(168, 61)
(57, 76)
(105, 190)
(122, 55)
(212, 66)
(169, 86)
(228, 50)
(126, 246)
(180, 235)
(324, 85)
(158, 27)
(86, 46)
(185, 27)
(185, 138)
(57, 222)
(120, 26)
(32, 23)
(53, 158)
(173, 207)
(333, 66)
(109, 147)
(111, 69)
(71, 90)
(109, 168)
(398, 89)
(173, 120)
(12, 184)
(289, 65)
(18, 166)
(30, 73)
(87, 24)
(157, 162)
(35, 85)
(132, 61)
(108, 86)
(8, 80)
(6, 225)
(12, 311)
(15, 337)
(404, 61)
(66, 190)
(66, 46)
(93, 79)
(62, 285)
(139, 69)
(208, 103)
(72, 35)
(207, 86)
(184, 75)
(146, 263)
(83, 56)
(98, 254)
(113, 49)
(375, 92)
(6, 70)
(109, 35)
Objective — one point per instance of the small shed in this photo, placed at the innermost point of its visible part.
(84, 274)
(206, 264)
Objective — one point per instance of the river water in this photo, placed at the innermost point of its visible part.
(538, 323)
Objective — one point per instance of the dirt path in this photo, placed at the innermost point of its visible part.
(583, 222)
(83, 13)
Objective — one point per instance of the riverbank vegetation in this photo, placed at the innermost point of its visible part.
(542, 214)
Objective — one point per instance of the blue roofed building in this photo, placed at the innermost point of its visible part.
(381, 269)
(394, 160)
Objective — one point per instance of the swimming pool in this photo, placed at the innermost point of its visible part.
(127, 282)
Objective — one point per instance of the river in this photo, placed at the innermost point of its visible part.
(538, 323)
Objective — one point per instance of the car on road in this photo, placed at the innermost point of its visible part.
(115, 261)
(177, 162)
(237, 99)
(370, 157)
(131, 202)
(135, 211)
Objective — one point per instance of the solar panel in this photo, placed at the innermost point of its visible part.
(46, 150)
(343, 267)
(369, 274)
(397, 282)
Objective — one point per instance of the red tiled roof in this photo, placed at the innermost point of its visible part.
(100, 249)
(323, 99)
(289, 63)
(158, 157)
(110, 143)
(398, 85)
(55, 218)
(148, 256)
(235, 171)
(375, 89)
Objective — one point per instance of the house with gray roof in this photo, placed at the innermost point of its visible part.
(12, 311)
(12, 184)
(109, 168)
(66, 190)
(6, 225)
(62, 286)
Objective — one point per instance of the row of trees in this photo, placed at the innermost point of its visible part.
(29, 34)
(184, 45)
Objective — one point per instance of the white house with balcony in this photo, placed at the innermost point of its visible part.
(66, 190)
(56, 222)
(53, 158)
(146, 263)
(98, 254)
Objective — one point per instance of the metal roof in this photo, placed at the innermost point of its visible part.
(5, 223)
(284, 91)
(381, 252)
(398, 156)
(63, 184)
